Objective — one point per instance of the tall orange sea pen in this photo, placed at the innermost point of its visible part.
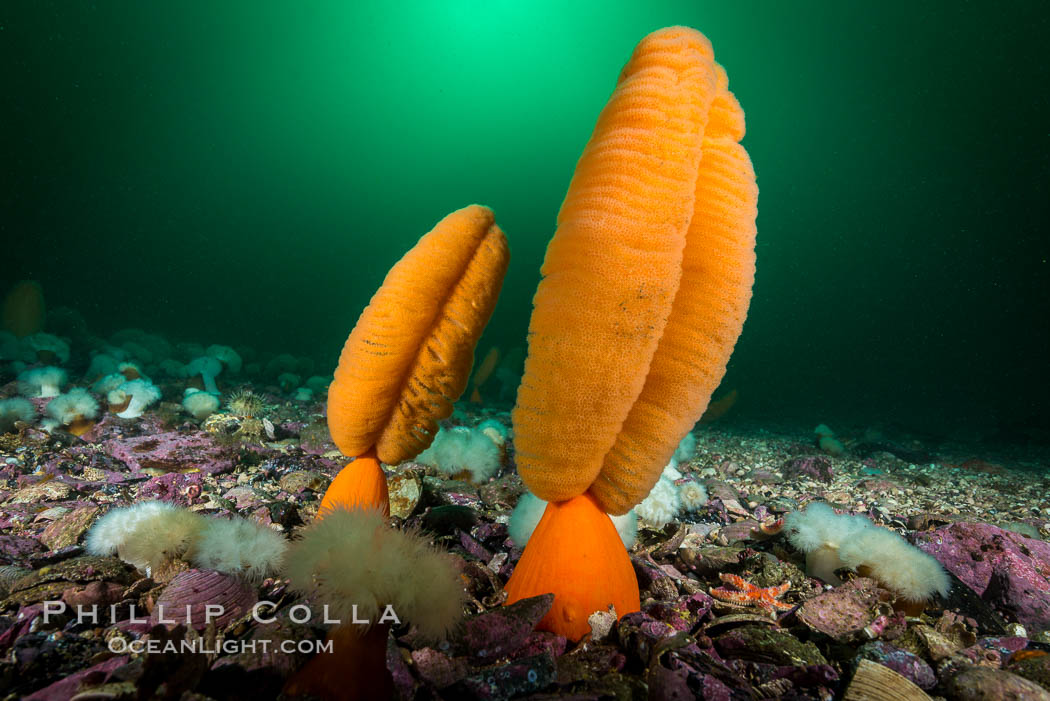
(645, 288)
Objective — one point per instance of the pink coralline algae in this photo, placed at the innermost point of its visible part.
(1005, 569)
(169, 452)
(183, 490)
(817, 467)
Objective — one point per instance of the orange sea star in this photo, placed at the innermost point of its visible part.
(749, 595)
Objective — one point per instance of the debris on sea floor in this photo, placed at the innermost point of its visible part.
(727, 607)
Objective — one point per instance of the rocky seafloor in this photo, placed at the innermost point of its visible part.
(984, 517)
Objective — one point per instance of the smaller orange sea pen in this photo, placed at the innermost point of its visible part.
(409, 355)
(483, 373)
(24, 310)
(405, 363)
(720, 407)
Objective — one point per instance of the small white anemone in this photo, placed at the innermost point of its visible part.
(146, 534)
(108, 383)
(15, 409)
(76, 405)
(226, 355)
(42, 382)
(138, 394)
(663, 503)
(686, 448)
(173, 368)
(208, 368)
(101, 364)
(200, 405)
(288, 381)
(236, 545)
(45, 345)
(693, 495)
(461, 449)
(496, 431)
(318, 383)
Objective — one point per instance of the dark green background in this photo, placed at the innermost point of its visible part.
(246, 172)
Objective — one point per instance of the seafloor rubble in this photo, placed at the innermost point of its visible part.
(983, 517)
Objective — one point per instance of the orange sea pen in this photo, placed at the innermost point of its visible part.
(718, 408)
(645, 288)
(24, 310)
(483, 373)
(408, 358)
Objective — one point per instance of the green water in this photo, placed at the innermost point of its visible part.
(246, 172)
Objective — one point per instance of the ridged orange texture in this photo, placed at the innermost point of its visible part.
(614, 266)
(718, 271)
(409, 355)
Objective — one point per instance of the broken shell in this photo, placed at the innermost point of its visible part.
(734, 620)
(405, 491)
(8, 575)
(873, 682)
(770, 526)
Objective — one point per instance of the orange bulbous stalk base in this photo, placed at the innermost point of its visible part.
(359, 485)
(354, 670)
(576, 553)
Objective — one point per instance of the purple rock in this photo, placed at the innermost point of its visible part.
(844, 612)
(23, 620)
(174, 487)
(902, 662)
(291, 428)
(653, 580)
(672, 685)
(639, 633)
(101, 594)
(269, 653)
(462, 499)
(501, 631)
(993, 650)
(669, 613)
(681, 614)
(70, 686)
(518, 678)
(817, 467)
(16, 548)
(169, 452)
(1005, 569)
(979, 683)
(491, 531)
(807, 676)
(474, 547)
(438, 669)
(243, 497)
(768, 645)
(714, 690)
(542, 641)
(405, 685)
